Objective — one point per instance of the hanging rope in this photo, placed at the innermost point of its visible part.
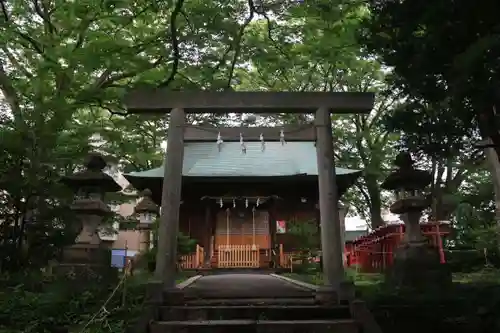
(219, 141)
(243, 145)
(228, 225)
(254, 246)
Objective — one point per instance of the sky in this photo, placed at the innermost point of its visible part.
(354, 223)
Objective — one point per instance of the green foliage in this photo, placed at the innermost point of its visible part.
(453, 72)
(41, 303)
(185, 245)
(306, 234)
(447, 79)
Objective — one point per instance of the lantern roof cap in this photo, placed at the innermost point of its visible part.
(92, 176)
(146, 205)
(406, 176)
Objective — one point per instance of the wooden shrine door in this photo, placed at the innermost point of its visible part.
(243, 227)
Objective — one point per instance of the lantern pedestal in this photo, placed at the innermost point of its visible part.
(416, 263)
(90, 213)
(88, 247)
(89, 255)
(417, 266)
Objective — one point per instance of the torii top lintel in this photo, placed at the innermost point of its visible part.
(157, 100)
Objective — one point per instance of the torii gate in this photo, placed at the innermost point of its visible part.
(177, 103)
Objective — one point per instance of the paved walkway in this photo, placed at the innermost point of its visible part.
(246, 286)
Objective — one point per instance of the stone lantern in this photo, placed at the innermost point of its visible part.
(89, 187)
(416, 262)
(147, 211)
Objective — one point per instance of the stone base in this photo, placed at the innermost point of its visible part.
(347, 291)
(417, 266)
(329, 295)
(173, 296)
(154, 293)
(326, 295)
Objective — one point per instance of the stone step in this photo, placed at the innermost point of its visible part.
(256, 326)
(250, 301)
(259, 312)
(227, 294)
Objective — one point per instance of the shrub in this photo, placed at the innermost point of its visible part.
(36, 303)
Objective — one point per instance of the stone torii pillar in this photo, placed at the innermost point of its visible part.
(331, 228)
(166, 257)
(176, 103)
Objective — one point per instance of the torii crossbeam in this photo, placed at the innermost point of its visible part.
(177, 103)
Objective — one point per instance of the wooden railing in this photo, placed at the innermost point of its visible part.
(286, 258)
(238, 256)
(193, 260)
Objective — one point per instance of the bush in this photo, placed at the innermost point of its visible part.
(466, 307)
(36, 303)
(467, 260)
(185, 245)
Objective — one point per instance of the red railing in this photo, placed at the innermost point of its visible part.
(374, 252)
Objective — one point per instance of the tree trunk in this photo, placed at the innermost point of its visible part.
(494, 165)
(373, 190)
(488, 119)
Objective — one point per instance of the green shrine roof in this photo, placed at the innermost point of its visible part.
(352, 235)
(203, 159)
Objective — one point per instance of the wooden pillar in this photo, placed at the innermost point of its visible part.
(272, 231)
(331, 235)
(209, 230)
(282, 262)
(168, 229)
(440, 244)
(390, 249)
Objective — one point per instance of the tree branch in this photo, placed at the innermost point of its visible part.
(237, 42)
(9, 92)
(15, 62)
(365, 195)
(44, 15)
(175, 44)
(5, 13)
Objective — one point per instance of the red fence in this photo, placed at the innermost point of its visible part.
(374, 252)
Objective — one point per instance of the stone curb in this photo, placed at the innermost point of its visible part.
(305, 285)
(188, 282)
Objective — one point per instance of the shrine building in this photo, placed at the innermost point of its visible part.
(241, 190)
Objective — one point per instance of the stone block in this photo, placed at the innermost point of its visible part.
(417, 266)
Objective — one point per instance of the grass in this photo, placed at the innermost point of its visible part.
(486, 275)
(359, 279)
(471, 304)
